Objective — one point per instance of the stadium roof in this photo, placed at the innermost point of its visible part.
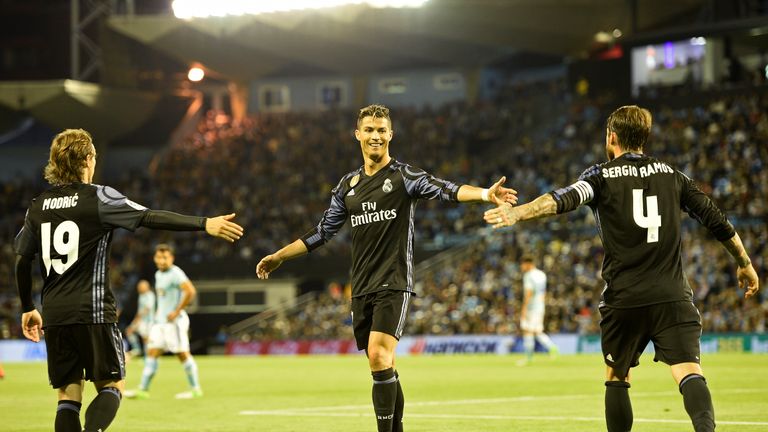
(108, 113)
(359, 39)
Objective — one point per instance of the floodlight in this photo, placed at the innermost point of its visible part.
(195, 74)
(186, 9)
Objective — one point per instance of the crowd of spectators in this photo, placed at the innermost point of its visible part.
(276, 171)
(723, 146)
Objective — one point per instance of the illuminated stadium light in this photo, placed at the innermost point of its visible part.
(186, 9)
(195, 74)
(698, 41)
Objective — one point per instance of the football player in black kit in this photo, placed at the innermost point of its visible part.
(69, 227)
(637, 202)
(379, 199)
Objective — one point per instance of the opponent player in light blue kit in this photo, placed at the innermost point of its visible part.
(170, 329)
(142, 322)
(532, 311)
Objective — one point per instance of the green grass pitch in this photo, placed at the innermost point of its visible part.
(443, 393)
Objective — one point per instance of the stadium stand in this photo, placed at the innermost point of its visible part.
(539, 135)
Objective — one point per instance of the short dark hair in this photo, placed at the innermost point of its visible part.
(527, 259)
(632, 126)
(374, 110)
(164, 247)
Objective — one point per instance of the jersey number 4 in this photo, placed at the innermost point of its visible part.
(66, 241)
(652, 220)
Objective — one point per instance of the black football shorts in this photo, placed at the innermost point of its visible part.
(674, 328)
(381, 311)
(91, 351)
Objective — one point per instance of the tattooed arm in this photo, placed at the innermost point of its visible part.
(746, 274)
(505, 215)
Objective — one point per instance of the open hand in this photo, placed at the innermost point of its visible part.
(223, 227)
(502, 216)
(267, 265)
(498, 194)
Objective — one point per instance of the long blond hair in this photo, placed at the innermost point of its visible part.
(69, 151)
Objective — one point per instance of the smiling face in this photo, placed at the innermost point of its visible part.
(374, 134)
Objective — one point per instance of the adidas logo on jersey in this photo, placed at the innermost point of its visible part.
(351, 192)
(609, 357)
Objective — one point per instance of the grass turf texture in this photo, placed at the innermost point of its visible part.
(443, 393)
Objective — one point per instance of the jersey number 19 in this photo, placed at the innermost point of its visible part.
(652, 220)
(66, 241)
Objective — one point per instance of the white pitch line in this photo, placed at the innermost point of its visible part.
(483, 401)
(493, 417)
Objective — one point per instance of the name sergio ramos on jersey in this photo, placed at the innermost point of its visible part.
(644, 171)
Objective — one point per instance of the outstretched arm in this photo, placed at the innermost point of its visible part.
(505, 215)
(271, 262)
(219, 226)
(746, 274)
(330, 224)
(559, 201)
(496, 194)
(116, 210)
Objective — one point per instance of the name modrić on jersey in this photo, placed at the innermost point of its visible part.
(60, 202)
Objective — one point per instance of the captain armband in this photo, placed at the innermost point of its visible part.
(571, 197)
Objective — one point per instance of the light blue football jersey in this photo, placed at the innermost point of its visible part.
(147, 307)
(168, 288)
(535, 281)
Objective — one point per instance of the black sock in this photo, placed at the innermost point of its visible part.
(102, 409)
(384, 395)
(618, 408)
(698, 402)
(68, 416)
(397, 421)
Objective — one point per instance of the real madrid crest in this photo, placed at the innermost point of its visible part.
(354, 181)
(387, 187)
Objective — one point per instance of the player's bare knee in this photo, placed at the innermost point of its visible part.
(380, 358)
(611, 375)
(71, 391)
(682, 370)
(100, 385)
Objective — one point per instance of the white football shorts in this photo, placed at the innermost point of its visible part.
(533, 322)
(172, 337)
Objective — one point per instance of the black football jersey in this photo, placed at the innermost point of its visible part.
(70, 228)
(637, 202)
(380, 209)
